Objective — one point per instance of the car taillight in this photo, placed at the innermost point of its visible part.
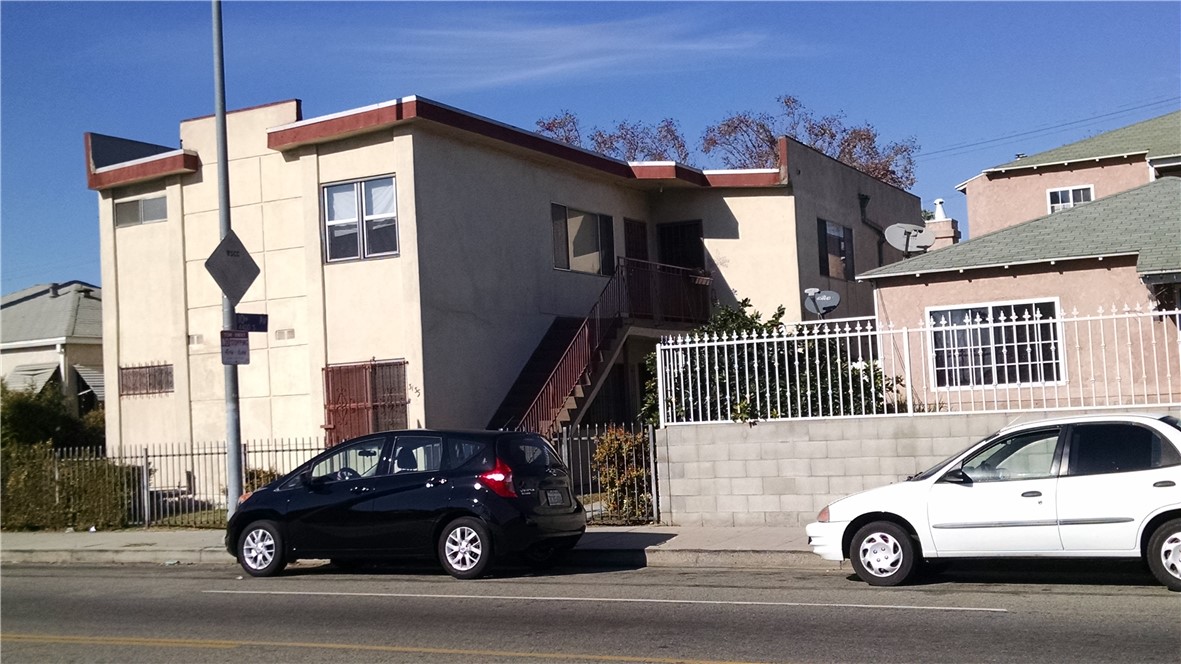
(823, 516)
(500, 480)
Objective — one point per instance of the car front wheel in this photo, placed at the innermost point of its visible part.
(465, 548)
(260, 549)
(1164, 554)
(883, 554)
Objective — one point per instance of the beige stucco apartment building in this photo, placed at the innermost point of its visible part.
(436, 250)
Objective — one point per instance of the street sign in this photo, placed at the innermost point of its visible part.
(232, 268)
(250, 322)
(235, 347)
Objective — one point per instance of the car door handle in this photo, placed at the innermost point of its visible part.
(360, 489)
(1164, 483)
(436, 480)
(1031, 494)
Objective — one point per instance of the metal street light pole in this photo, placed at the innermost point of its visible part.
(233, 416)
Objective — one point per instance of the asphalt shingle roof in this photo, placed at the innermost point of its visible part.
(1159, 137)
(34, 313)
(1145, 221)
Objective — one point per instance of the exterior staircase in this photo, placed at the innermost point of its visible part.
(571, 361)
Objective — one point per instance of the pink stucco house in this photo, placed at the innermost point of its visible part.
(1040, 184)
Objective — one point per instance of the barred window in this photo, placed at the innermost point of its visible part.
(996, 344)
(152, 379)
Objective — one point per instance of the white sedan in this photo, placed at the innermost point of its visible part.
(1095, 486)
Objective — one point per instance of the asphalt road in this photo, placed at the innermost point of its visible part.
(314, 614)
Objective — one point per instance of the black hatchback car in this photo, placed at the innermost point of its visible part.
(463, 497)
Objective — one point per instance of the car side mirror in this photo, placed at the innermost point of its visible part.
(305, 479)
(956, 476)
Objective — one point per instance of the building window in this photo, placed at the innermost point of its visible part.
(360, 220)
(836, 250)
(152, 379)
(1061, 199)
(583, 241)
(1007, 344)
(363, 398)
(141, 211)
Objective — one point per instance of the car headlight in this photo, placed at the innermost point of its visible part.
(823, 516)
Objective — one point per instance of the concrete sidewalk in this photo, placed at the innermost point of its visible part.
(627, 546)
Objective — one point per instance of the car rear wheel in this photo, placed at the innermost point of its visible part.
(260, 549)
(883, 554)
(1164, 554)
(465, 548)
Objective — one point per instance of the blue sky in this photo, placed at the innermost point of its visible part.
(974, 83)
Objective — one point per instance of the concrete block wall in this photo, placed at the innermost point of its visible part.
(783, 473)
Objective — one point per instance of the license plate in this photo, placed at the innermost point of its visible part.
(554, 497)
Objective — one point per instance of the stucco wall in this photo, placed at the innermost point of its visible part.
(783, 473)
(749, 242)
(825, 188)
(489, 285)
(997, 200)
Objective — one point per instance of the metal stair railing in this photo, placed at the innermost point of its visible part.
(658, 288)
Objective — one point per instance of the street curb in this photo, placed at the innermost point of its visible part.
(625, 558)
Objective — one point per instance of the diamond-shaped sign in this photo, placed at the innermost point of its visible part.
(232, 267)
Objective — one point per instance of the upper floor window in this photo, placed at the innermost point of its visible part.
(1060, 199)
(583, 241)
(141, 211)
(360, 220)
(836, 250)
(996, 344)
(153, 379)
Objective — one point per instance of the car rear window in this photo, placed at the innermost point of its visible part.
(528, 455)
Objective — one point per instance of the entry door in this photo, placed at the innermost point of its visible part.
(1010, 504)
(680, 244)
(635, 239)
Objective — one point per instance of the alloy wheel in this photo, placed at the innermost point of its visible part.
(463, 548)
(258, 550)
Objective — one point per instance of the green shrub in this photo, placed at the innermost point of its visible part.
(257, 478)
(621, 462)
(42, 491)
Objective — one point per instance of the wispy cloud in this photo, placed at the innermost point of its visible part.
(480, 49)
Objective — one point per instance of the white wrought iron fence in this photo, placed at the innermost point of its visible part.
(1008, 359)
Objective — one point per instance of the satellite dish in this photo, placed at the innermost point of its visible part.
(821, 302)
(910, 238)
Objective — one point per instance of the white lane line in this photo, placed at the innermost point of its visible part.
(618, 600)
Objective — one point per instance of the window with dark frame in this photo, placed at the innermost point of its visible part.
(836, 250)
(583, 241)
(996, 344)
(152, 379)
(141, 211)
(360, 220)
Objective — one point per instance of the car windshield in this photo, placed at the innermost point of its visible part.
(942, 464)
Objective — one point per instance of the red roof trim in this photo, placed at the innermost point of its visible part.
(341, 126)
(151, 168)
(669, 171)
(370, 119)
